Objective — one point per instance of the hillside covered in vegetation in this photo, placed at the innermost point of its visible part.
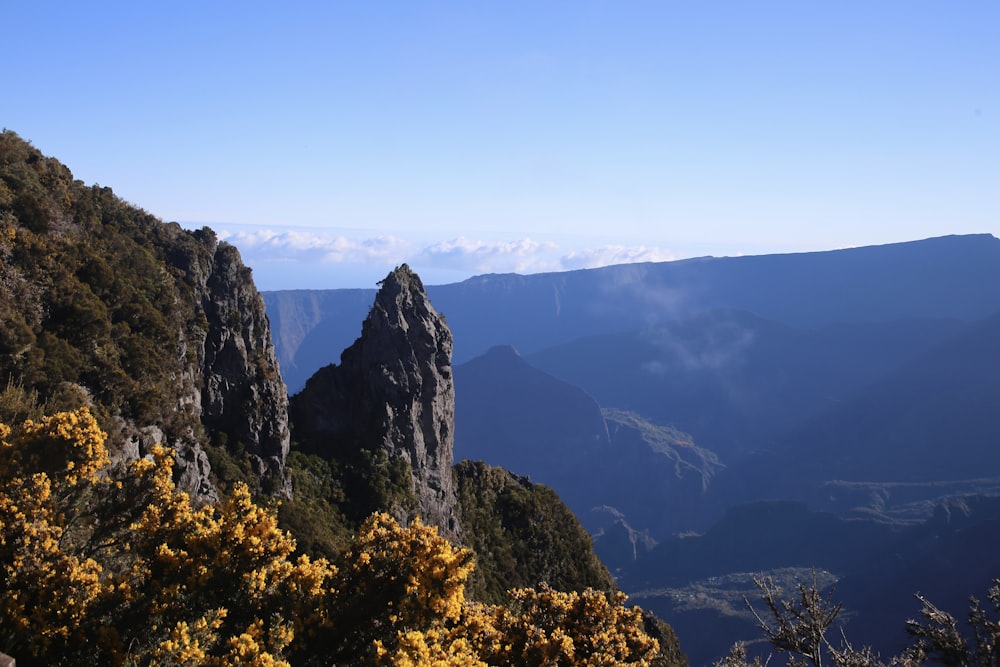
(157, 506)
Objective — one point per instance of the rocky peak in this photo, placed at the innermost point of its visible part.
(393, 396)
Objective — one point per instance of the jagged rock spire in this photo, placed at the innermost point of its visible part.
(393, 393)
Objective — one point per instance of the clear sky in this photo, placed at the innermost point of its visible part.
(332, 140)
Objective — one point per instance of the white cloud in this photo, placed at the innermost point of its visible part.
(305, 250)
(592, 258)
(477, 256)
(312, 246)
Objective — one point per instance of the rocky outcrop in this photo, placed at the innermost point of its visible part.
(243, 394)
(160, 330)
(229, 382)
(390, 402)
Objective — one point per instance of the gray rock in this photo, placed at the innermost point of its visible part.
(228, 382)
(393, 392)
(194, 472)
(243, 394)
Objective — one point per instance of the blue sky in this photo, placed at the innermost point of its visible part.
(333, 140)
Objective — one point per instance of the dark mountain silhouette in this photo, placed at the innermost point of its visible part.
(947, 558)
(948, 277)
(509, 414)
(699, 583)
(759, 536)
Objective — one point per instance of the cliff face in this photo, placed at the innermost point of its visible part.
(243, 394)
(392, 399)
(158, 329)
(227, 385)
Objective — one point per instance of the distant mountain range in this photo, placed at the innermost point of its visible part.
(713, 417)
(955, 277)
(787, 374)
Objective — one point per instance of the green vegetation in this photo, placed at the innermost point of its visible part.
(334, 496)
(313, 514)
(93, 293)
(101, 304)
(522, 531)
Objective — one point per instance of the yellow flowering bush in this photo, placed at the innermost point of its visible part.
(45, 590)
(117, 566)
(103, 565)
(544, 627)
(393, 580)
(538, 628)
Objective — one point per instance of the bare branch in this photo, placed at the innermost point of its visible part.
(799, 626)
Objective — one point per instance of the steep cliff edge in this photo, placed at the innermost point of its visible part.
(159, 329)
(243, 394)
(390, 404)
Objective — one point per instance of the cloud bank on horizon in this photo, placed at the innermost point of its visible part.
(326, 259)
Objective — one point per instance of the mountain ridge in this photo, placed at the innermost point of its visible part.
(158, 329)
(955, 276)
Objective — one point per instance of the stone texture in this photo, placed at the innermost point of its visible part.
(229, 383)
(393, 391)
(243, 394)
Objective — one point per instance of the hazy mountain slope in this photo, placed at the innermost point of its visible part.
(950, 277)
(511, 414)
(698, 583)
(732, 379)
(508, 414)
(934, 419)
(312, 327)
(955, 276)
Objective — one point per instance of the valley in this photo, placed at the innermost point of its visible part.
(711, 418)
